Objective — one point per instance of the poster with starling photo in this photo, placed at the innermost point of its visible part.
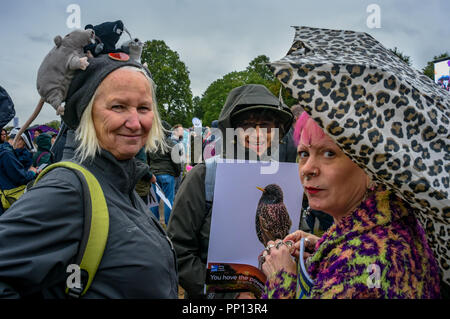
(252, 205)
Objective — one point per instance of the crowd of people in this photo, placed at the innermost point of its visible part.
(21, 161)
(115, 133)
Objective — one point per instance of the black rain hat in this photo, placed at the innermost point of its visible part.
(254, 97)
(85, 83)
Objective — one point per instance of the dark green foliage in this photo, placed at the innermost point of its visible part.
(257, 72)
(173, 92)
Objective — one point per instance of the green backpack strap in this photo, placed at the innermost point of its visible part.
(96, 225)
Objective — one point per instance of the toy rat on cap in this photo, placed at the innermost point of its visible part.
(57, 70)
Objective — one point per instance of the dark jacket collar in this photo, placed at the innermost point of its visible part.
(122, 174)
(4, 147)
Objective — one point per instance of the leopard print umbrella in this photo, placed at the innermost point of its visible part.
(390, 119)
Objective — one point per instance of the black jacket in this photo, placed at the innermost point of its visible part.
(288, 149)
(162, 163)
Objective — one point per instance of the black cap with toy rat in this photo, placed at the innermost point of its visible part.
(85, 83)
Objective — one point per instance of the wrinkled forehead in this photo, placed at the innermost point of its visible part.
(123, 75)
(125, 79)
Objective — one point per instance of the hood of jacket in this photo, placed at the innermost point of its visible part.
(44, 142)
(247, 97)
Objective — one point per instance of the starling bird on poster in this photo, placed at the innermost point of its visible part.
(272, 220)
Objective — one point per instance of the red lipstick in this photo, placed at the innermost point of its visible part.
(312, 190)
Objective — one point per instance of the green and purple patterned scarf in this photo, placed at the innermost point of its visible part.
(379, 251)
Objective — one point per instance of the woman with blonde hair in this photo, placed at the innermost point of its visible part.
(111, 108)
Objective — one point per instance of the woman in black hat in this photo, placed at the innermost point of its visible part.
(112, 113)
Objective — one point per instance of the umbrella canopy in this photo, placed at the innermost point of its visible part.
(44, 128)
(390, 119)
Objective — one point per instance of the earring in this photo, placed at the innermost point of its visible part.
(308, 211)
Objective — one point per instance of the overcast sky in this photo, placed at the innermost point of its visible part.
(212, 37)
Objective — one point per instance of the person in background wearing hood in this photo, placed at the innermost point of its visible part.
(43, 155)
(35, 135)
(251, 107)
(166, 170)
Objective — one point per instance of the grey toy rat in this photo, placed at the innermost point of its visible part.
(134, 48)
(57, 70)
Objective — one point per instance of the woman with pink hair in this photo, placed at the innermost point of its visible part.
(375, 249)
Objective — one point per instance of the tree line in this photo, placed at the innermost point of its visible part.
(176, 103)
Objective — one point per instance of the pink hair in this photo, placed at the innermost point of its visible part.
(306, 130)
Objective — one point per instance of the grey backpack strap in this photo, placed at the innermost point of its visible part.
(210, 178)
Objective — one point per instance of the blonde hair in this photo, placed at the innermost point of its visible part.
(86, 136)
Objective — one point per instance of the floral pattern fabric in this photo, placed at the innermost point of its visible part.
(381, 240)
